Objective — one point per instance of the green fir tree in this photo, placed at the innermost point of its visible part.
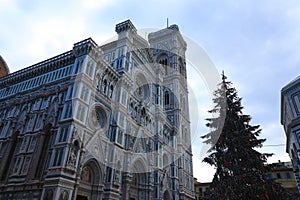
(240, 169)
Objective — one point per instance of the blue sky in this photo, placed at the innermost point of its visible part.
(256, 43)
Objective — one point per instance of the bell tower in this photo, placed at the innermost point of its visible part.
(169, 49)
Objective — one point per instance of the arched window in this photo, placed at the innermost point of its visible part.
(104, 86)
(165, 161)
(135, 179)
(163, 60)
(111, 91)
(167, 98)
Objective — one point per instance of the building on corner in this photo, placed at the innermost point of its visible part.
(290, 119)
(282, 172)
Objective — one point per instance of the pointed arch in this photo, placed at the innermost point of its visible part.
(94, 173)
(140, 184)
(104, 86)
(166, 195)
(43, 147)
(4, 169)
(91, 180)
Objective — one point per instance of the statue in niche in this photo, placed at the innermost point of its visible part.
(48, 195)
(73, 157)
(117, 172)
(117, 176)
(63, 195)
(86, 175)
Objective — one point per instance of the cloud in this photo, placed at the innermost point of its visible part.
(96, 4)
(7, 5)
(203, 171)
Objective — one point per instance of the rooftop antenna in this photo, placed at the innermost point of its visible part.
(167, 22)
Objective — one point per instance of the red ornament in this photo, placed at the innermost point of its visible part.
(267, 196)
(225, 163)
(240, 177)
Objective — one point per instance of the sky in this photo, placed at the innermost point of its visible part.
(256, 43)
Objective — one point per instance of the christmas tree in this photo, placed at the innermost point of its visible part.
(240, 169)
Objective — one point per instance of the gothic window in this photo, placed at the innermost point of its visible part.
(113, 55)
(172, 170)
(84, 93)
(104, 86)
(18, 165)
(135, 179)
(24, 144)
(167, 98)
(113, 134)
(108, 174)
(120, 137)
(67, 111)
(124, 97)
(32, 144)
(43, 144)
(180, 66)
(70, 92)
(163, 61)
(26, 165)
(165, 161)
(38, 124)
(111, 91)
(63, 134)
(58, 158)
(47, 161)
(89, 69)
(30, 122)
(78, 66)
(80, 115)
(10, 152)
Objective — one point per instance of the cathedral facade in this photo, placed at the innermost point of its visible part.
(100, 122)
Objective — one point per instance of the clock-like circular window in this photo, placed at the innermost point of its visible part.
(98, 117)
(142, 90)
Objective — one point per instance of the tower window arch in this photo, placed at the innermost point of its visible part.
(104, 86)
(167, 98)
(163, 60)
(111, 91)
